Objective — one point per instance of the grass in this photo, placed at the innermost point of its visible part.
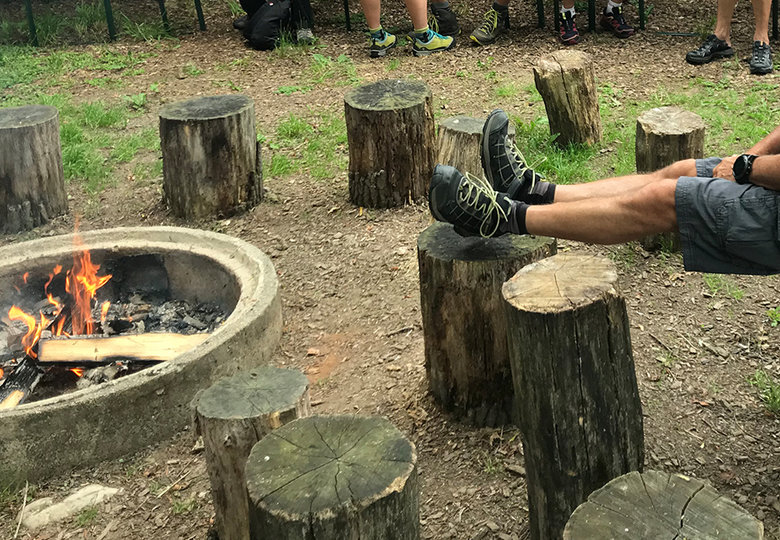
(87, 516)
(491, 464)
(186, 506)
(768, 389)
(717, 283)
(774, 316)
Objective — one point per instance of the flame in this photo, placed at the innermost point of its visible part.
(2, 373)
(82, 282)
(104, 312)
(34, 329)
(78, 371)
(12, 400)
(25, 276)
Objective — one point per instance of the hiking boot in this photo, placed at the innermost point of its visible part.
(444, 21)
(241, 22)
(436, 43)
(305, 36)
(495, 23)
(711, 49)
(569, 33)
(616, 23)
(381, 44)
(504, 165)
(468, 203)
(761, 59)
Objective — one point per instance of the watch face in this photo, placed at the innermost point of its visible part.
(739, 167)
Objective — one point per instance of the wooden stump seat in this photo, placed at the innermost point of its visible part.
(391, 137)
(334, 477)
(654, 505)
(212, 165)
(573, 371)
(566, 82)
(464, 326)
(459, 143)
(32, 182)
(234, 414)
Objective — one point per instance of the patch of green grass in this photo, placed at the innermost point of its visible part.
(137, 102)
(506, 90)
(769, 390)
(127, 146)
(341, 70)
(294, 128)
(316, 145)
(235, 8)
(87, 516)
(151, 30)
(717, 283)
(287, 90)
(491, 464)
(774, 316)
(145, 171)
(183, 506)
(623, 254)
(191, 70)
(394, 64)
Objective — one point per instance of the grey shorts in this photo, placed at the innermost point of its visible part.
(726, 227)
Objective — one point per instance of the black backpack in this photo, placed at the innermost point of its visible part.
(265, 27)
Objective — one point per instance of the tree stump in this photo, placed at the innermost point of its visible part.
(665, 135)
(212, 165)
(660, 505)
(32, 182)
(234, 414)
(459, 143)
(580, 414)
(565, 81)
(464, 325)
(334, 477)
(392, 139)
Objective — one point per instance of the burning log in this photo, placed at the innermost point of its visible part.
(92, 350)
(233, 415)
(19, 384)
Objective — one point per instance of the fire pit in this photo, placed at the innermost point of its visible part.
(54, 435)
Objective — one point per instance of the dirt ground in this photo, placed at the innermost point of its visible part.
(350, 295)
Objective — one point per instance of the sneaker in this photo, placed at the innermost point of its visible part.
(468, 203)
(444, 21)
(616, 23)
(305, 36)
(436, 43)
(569, 33)
(241, 22)
(505, 166)
(496, 21)
(381, 44)
(761, 60)
(708, 51)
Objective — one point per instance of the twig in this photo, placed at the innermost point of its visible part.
(24, 505)
(107, 529)
(400, 331)
(182, 477)
(661, 343)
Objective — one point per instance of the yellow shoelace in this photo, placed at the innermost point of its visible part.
(491, 22)
(469, 194)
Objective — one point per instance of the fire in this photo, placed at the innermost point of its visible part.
(78, 371)
(34, 329)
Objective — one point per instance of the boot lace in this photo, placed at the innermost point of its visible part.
(491, 22)
(470, 194)
(759, 52)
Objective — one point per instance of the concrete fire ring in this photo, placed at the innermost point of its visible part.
(51, 437)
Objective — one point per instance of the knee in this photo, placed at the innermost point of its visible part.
(685, 167)
(656, 201)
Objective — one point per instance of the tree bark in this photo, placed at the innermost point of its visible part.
(392, 139)
(334, 477)
(32, 182)
(660, 505)
(580, 414)
(665, 135)
(567, 85)
(232, 416)
(464, 325)
(459, 144)
(211, 159)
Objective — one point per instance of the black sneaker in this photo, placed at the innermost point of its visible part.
(241, 22)
(468, 203)
(569, 34)
(505, 166)
(761, 60)
(444, 21)
(712, 48)
(615, 22)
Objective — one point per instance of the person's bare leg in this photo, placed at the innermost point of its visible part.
(609, 220)
(611, 187)
(418, 11)
(723, 24)
(761, 9)
(372, 10)
(502, 2)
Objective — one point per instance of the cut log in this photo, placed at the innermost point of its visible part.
(211, 158)
(567, 85)
(464, 324)
(16, 387)
(665, 135)
(322, 478)
(32, 182)
(459, 143)
(87, 350)
(392, 140)
(660, 505)
(580, 414)
(234, 414)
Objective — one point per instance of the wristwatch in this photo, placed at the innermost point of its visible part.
(742, 168)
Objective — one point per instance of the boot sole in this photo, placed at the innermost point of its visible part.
(761, 71)
(707, 59)
(424, 52)
(382, 53)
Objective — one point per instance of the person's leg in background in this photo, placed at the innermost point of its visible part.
(303, 21)
(761, 59)
(717, 44)
(495, 23)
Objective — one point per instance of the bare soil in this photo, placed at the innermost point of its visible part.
(351, 299)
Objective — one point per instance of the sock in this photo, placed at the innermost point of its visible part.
(612, 5)
(570, 11)
(516, 222)
(440, 5)
(499, 7)
(423, 34)
(377, 33)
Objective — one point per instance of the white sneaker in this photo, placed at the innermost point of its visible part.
(305, 36)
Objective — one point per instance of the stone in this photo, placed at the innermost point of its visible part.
(44, 511)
